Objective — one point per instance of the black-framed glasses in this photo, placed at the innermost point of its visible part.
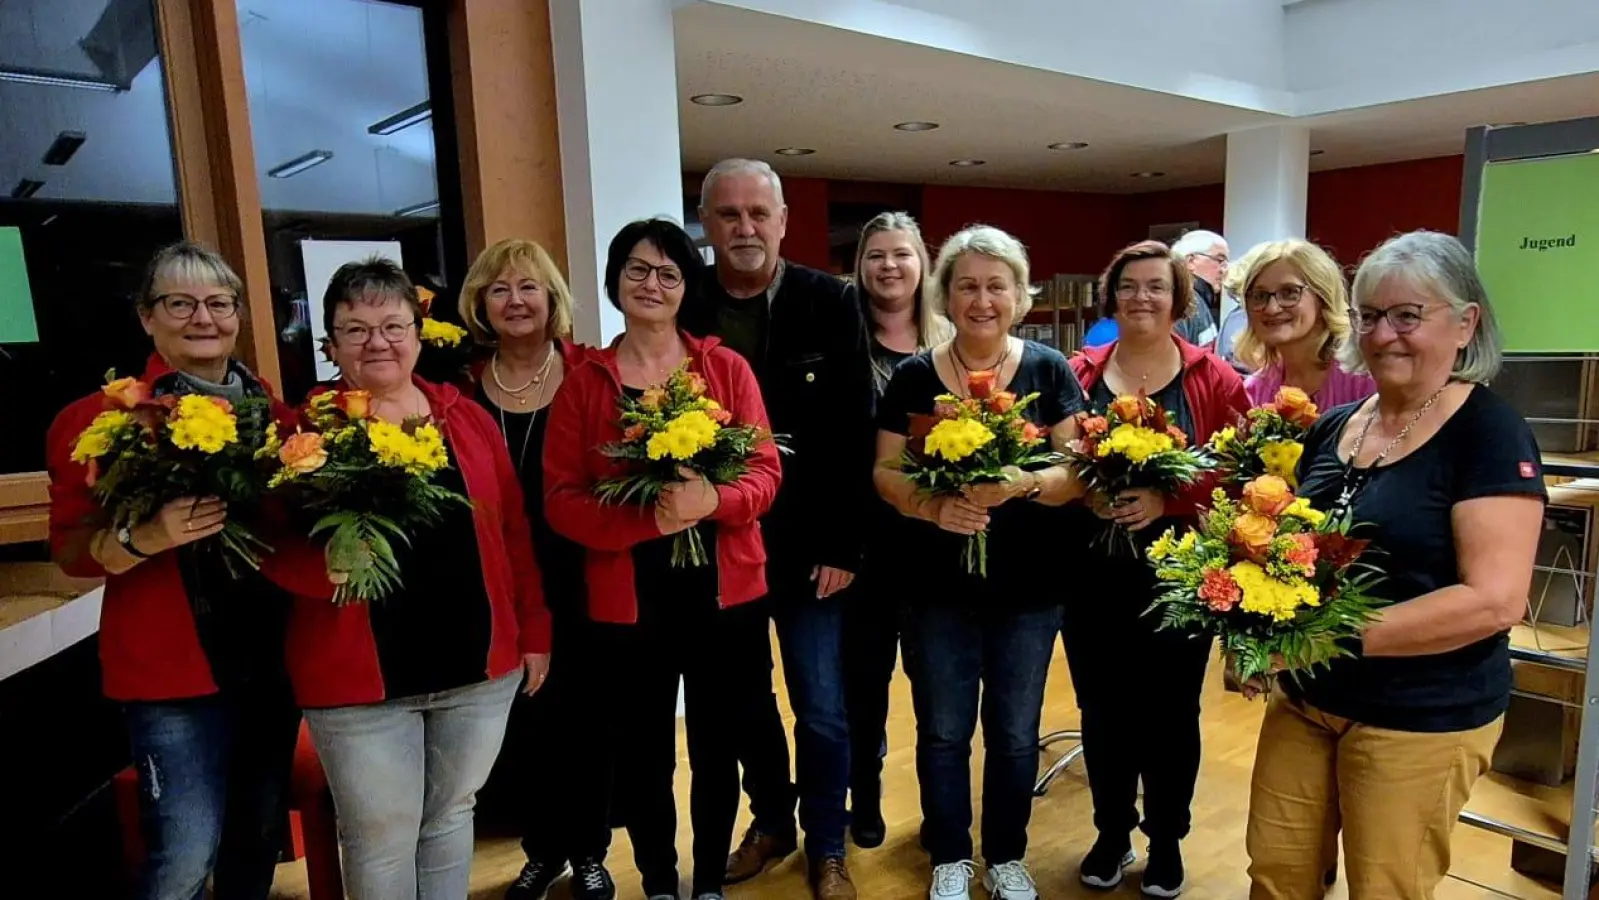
(1287, 296)
(393, 332)
(183, 306)
(669, 275)
(1403, 318)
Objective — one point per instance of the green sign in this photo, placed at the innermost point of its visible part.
(17, 325)
(1538, 252)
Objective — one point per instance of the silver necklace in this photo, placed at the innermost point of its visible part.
(1355, 479)
(527, 436)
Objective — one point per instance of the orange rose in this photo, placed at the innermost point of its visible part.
(1295, 405)
(633, 432)
(1177, 436)
(981, 384)
(1001, 402)
(1253, 534)
(127, 392)
(1128, 409)
(1268, 495)
(696, 384)
(654, 398)
(356, 404)
(303, 453)
(1031, 432)
(424, 298)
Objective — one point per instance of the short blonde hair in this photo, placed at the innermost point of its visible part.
(526, 258)
(1322, 276)
(983, 240)
(188, 261)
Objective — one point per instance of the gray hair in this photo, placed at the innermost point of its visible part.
(740, 167)
(984, 240)
(1196, 242)
(1439, 266)
(187, 261)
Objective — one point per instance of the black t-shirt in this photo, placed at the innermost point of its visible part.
(1486, 449)
(741, 322)
(1020, 532)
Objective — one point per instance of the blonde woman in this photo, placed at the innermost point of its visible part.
(1298, 309)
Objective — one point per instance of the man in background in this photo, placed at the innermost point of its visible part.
(1205, 253)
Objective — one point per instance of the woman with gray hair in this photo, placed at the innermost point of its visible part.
(966, 635)
(1443, 477)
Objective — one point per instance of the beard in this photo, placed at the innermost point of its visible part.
(747, 258)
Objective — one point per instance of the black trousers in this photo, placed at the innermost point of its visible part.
(763, 739)
(871, 649)
(1138, 689)
(722, 659)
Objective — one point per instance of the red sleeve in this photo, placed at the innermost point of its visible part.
(532, 615)
(750, 497)
(74, 513)
(569, 500)
(297, 563)
(1225, 400)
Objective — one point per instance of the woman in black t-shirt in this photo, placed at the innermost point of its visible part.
(889, 262)
(963, 631)
(1444, 477)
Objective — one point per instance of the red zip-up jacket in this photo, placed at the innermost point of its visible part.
(1215, 395)
(333, 654)
(150, 649)
(584, 417)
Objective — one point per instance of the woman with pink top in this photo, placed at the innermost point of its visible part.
(1298, 307)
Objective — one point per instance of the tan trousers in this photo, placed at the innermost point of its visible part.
(1395, 795)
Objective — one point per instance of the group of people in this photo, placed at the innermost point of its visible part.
(541, 589)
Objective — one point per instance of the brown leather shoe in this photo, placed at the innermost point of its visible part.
(830, 880)
(757, 851)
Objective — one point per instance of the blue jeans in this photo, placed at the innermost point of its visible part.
(404, 775)
(953, 654)
(213, 793)
(810, 633)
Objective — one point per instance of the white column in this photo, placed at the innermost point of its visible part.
(1268, 175)
(616, 94)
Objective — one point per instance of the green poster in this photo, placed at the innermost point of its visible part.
(17, 325)
(1538, 251)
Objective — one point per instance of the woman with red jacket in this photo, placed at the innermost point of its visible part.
(193, 653)
(1138, 688)
(407, 697)
(654, 622)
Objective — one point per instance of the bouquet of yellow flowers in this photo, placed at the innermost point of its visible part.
(143, 452)
(675, 426)
(1133, 445)
(446, 347)
(1267, 441)
(974, 441)
(1281, 583)
(368, 481)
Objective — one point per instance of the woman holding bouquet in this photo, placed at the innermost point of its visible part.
(193, 651)
(1298, 310)
(1138, 688)
(1444, 478)
(407, 696)
(978, 646)
(657, 619)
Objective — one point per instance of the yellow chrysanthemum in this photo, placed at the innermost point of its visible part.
(419, 453)
(1267, 596)
(1301, 509)
(95, 441)
(956, 439)
(200, 424)
(1281, 459)
(1135, 442)
(683, 437)
(442, 334)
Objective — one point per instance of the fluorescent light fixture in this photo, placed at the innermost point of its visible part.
(1068, 145)
(417, 209)
(26, 188)
(57, 79)
(1149, 175)
(62, 148)
(967, 163)
(794, 151)
(300, 163)
(716, 99)
(916, 126)
(403, 119)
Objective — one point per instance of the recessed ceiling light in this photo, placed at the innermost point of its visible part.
(916, 126)
(1068, 145)
(794, 151)
(1317, 152)
(716, 99)
(967, 163)
(1149, 175)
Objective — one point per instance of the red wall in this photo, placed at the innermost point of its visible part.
(1351, 211)
(806, 242)
(1064, 232)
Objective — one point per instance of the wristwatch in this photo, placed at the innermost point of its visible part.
(125, 538)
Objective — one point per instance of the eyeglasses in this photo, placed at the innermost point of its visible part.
(638, 270)
(1287, 296)
(1218, 260)
(393, 332)
(183, 306)
(1403, 318)
(1156, 291)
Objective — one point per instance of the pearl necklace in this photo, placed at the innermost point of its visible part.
(538, 378)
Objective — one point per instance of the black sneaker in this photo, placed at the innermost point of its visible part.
(535, 880)
(866, 825)
(1164, 876)
(1106, 862)
(590, 881)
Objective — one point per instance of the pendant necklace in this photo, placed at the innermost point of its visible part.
(538, 401)
(1356, 479)
(967, 370)
(537, 379)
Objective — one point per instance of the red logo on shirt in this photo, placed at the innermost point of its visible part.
(1527, 470)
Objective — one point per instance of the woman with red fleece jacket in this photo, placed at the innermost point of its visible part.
(407, 697)
(654, 623)
(1138, 688)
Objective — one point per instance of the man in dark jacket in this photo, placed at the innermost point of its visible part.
(807, 343)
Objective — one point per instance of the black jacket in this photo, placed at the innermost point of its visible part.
(816, 380)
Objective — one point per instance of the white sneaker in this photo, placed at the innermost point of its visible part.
(1010, 881)
(953, 881)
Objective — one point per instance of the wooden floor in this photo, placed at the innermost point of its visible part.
(1062, 826)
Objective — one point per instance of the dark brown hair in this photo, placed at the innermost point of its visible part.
(1182, 281)
(371, 280)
